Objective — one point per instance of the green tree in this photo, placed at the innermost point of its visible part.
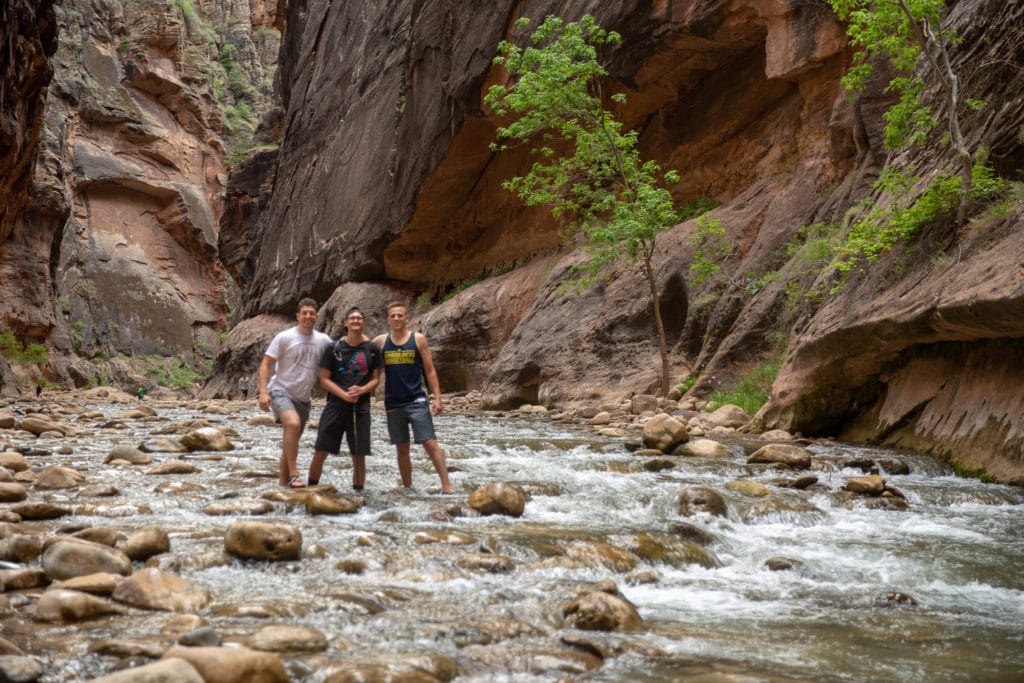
(587, 169)
(909, 32)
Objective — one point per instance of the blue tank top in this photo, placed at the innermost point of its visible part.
(403, 373)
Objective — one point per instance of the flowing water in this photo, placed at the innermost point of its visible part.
(958, 551)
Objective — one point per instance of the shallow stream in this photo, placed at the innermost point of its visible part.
(958, 551)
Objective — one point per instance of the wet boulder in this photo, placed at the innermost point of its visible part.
(695, 500)
(128, 454)
(795, 457)
(729, 415)
(703, 448)
(321, 504)
(164, 671)
(145, 543)
(602, 610)
(162, 445)
(263, 541)
(239, 506)
(56, 478)
(99, 491)
(39, 511)
(261, 420)
(498, 499)
(41, 425)
(288, 638)
(206, 439)
(67, 605)
(232, 664)
(603, 555)
(68, 559)
(869, 485)
(13, 461)
(156, 590)
(748, 488)
(486, 562)
(21, 579)
(23, 548)
(20, 669)
(95, 584)
(173, 467)
(428, 536)
(98, 534)
(664, 432)
(669, 550)
(11, 492)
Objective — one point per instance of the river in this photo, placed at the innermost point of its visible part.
(718, 614)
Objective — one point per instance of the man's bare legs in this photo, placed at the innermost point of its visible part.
(289, 466)
(316, 466)
(436, 454)
(358, 471)
(440, 464)
(404, 464)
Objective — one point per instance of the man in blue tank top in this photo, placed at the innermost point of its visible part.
(407, 361)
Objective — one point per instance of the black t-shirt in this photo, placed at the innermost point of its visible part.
(350, 366)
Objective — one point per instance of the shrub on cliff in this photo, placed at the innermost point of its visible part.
(587, 168)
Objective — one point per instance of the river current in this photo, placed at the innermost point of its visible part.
(957, 551)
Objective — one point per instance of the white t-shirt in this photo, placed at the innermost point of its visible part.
(297, 358)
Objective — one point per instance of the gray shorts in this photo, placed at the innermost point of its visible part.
(416, 414)
(281, 402)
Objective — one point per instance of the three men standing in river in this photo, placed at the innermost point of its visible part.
(349, 371)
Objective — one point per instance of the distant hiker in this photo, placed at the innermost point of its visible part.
(142, 393)
(243, 386)
(349, 372)
(287, 374)
(39, 389)
(407, 361)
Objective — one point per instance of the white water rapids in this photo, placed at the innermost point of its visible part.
(958, 551)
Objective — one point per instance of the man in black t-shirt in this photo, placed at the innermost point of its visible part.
(349, 372)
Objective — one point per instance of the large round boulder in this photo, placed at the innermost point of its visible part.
(206, 439)
(728, 415)
(498, 499)
(791, 455)
(232, 664)
(602, 610)
(68, 559)
(263, 541)
(164, 671)
(68, 605)
(694, 500)
(156, 590)
(664, 432)
(145, 543)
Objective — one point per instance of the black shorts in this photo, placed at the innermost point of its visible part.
(351, 420)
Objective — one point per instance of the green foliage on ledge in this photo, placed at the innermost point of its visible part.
(14, 350)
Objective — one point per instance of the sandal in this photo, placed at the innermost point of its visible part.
(295, 482)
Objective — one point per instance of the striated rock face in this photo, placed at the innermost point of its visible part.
(385, 175)
(116, 251)
(28, 34)
(932, 361)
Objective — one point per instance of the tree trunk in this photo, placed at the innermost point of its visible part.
(656, 303)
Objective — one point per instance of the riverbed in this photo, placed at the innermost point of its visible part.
(933, 592)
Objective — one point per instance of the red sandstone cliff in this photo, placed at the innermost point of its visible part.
(115, 251)
(384, 178)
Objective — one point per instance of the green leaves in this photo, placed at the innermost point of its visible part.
(587, 168)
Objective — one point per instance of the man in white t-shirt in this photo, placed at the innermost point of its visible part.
(294, 359)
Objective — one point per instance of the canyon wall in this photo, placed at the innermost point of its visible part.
(385, 180)
(115, 252)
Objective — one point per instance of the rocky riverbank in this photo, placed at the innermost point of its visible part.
(94, 562)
